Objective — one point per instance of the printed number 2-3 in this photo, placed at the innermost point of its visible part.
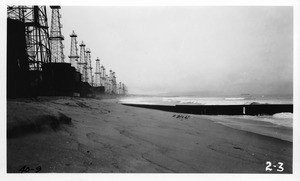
(269, 166)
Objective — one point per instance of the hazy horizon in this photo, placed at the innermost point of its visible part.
(209, 94)
(167, 49)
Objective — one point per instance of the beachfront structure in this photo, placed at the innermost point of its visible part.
(125, 89)
(56, 37)
(114, 83)
(119, 88)
(88, 68)
(85, 67)
(110, 89)
(40, 54)
(108, 81)
(122, 89)
(92, 80)
(102, 76)
(107, 84)
(74, 51)
(81, 63)
(36, 33)
(98, 73)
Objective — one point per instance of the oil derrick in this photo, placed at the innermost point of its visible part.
(18, 13)
(107, 84)
(97, 73)
(56, 38)
(110, 81)
(88, 67)
(93, 79)
(36, 33)
(90, 70)
(84, 69)
(124, 89)
(114, 83)
(119, 88)
(73, 51)
(102, 76)
(81, 64)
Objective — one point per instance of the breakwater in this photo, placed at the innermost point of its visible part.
(259, 109)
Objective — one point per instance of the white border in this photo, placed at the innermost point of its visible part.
(229, 177)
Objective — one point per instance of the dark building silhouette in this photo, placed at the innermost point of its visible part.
(18, 76)
(60, 79)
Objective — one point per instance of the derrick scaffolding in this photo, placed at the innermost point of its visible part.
(73, 51)
(114, 83)
(88, 67)
(102, 76)
(98, 73)
(36, 33)
(56, 36)
(81, 63)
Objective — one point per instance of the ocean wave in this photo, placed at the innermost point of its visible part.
(283, 115)
(282, 119)
(234, 98)
(191, 102)
(205, 100)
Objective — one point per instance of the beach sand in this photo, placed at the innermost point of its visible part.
(66, 135)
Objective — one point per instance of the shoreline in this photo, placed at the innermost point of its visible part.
(256, 127)
(105, 137)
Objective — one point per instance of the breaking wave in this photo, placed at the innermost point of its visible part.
(283, 115)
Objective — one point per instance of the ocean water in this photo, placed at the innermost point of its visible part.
(280, 119)
(195, 100)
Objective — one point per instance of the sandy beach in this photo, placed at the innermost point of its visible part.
(66, 135)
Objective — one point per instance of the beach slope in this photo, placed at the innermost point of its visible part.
(65, 135)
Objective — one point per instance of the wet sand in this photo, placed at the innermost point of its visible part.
(66, 135)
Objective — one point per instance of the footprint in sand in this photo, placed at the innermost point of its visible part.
(237, 152)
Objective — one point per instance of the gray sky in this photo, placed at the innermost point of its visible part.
(226, 50)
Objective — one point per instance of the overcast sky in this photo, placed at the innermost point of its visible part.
(223, 50)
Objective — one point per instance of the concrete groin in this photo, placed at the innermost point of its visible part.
(259, 109)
